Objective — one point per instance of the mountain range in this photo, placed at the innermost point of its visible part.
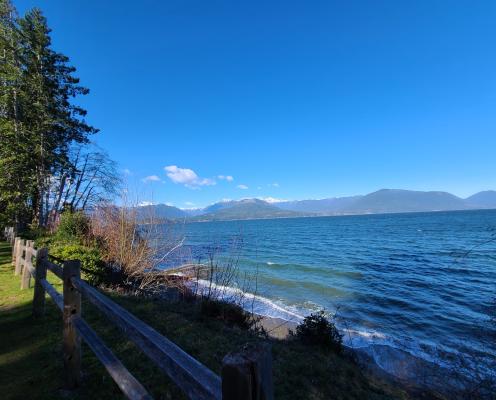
(379, 202)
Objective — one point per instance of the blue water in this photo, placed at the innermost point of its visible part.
(421, 282)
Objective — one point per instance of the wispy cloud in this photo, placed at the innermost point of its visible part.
(228, 178)
(242, 187)
(275, 184)
(187, 177)
(127, 172)
(151, 178)
(145, 203)
(189, 203)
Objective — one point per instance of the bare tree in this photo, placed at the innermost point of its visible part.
(89, 178)
(136, 246)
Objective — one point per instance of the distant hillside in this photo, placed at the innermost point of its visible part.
(221, 205)
(193, 212)
(396, 200)
(160, 211)
(486, 199)
(244, 209)
(382, 201)
(323, 206)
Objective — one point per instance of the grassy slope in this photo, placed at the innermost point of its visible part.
(31, 361)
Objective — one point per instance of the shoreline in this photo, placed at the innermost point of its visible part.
(395, 366)
(385, 360)
(191, 221)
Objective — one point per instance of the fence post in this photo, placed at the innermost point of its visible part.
(14, 250)
(247, 374)
(26, 274)
(39, 290)
(20, 250)
(71, 338)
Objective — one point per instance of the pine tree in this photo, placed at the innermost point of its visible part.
(53, 122)
(39, 122)
(14, 182)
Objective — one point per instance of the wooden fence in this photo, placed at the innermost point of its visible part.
(9, 235)
(246, 374)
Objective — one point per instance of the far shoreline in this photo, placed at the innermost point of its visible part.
(189, 221)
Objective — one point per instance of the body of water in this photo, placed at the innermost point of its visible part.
(423, 283)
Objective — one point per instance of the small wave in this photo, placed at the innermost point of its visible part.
(249, 301)
(400, 359)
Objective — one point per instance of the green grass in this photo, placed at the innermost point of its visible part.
(31, 358)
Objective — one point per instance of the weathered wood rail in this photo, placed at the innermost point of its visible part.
(246, 374)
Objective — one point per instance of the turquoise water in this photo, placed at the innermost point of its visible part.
(421, 282)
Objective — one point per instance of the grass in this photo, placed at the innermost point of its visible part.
(31, 355)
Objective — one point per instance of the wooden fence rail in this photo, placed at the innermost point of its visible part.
(246, 374)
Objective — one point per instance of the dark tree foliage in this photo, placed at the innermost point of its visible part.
(317, 329)
(40, 124)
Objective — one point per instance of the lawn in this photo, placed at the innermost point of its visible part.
(31, 354)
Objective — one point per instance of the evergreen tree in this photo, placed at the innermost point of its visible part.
(14, 182)
(53, 123)
(39, 122)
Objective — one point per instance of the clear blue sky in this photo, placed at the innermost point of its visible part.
(292, 99)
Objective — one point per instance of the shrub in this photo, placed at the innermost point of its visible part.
(73, 227)
(133, 245)
(35, 232)
(230, 313)
(93, 268)
(43, 241)
(317, 329)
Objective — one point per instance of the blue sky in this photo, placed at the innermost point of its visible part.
(292, 99)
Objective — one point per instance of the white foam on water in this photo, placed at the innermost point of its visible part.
(249, 301)
(397, 358)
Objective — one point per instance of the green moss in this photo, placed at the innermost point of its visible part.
(31, 359)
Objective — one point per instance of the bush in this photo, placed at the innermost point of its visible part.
(73, 227)
(43, 241)
(35, 232)
(93, 269)
(317, 329)
(230, 313)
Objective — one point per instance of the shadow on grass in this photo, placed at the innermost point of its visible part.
(5, 253)
(31, 363)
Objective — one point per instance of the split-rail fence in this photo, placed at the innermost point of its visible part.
(246, 374)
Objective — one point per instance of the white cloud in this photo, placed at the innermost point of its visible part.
(151, 178)
(228, 178)
(275, 184)
(271, 199)
(242, 187)
(189, 203)
(146, 203)
(169, 204)
(127, 172)
(187, 177)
